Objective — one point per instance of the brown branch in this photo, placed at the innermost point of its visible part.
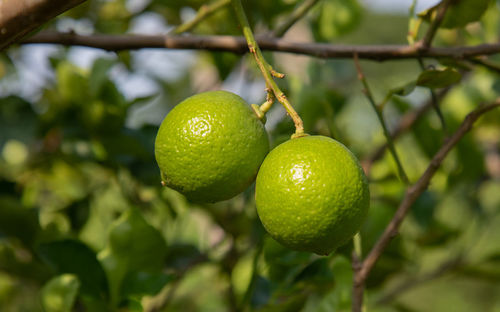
(20, 17)
(238, 44)
(411, 195)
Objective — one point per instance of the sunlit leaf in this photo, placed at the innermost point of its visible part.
(336, 18)
(437, 78)
(59, 294)
(99, 74)
(459, 13)
(133, 246)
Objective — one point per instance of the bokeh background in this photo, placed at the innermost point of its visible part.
(86, 226)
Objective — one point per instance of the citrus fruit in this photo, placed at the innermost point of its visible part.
(311, 194)
(210, 146)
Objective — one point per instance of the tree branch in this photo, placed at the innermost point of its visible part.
(412, 193)
(20, 17)
(238, 44)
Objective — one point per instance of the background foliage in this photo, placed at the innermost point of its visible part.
(86, 226)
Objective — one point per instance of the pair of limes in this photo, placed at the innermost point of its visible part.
(311, 193)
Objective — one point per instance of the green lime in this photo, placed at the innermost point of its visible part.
(210, 146)
(311, 194)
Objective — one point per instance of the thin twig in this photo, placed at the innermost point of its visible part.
(405, 123)
(204, 12)
(238, 45)
(380, 116)
(408, 284)
(356, 257)
(253, 47)
(411, 195)
(434, 100)
(292, 18)
(358, 289)
(425, 43)
(492, 66)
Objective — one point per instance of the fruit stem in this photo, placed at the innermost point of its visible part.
(265, 68)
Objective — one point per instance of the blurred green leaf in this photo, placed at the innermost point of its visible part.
(336, 18)
(55, 187)
(181, 256)
(391, 261)
(437, 78)
(72, 85)
(18, 221)
(71, 256)
(423, 209)
(470, 165)
(59, 294)
(138, 284)
(18, 120)
(404, 89)
(99, 74)
(284, 264)
(459, 13)
(133, 246)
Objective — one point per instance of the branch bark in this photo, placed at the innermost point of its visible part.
(20, 17)
(412, 193)
(237, 44)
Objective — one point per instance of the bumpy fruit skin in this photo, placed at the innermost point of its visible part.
(210, 146)
(312, 194)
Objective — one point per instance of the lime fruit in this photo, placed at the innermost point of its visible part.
(311, 194)
(210, 146)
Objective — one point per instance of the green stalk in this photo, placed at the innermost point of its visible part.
(264, 67)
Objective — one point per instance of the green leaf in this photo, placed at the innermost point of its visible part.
(401, 91)
(423, 209)
(459, 13)
(71, 256)
(73, 85)
(18, 221)
(59, 294)
(133, 246)
(336, 18)
(405, 89)
(438, 78)
(99, 74)
(144, 283)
